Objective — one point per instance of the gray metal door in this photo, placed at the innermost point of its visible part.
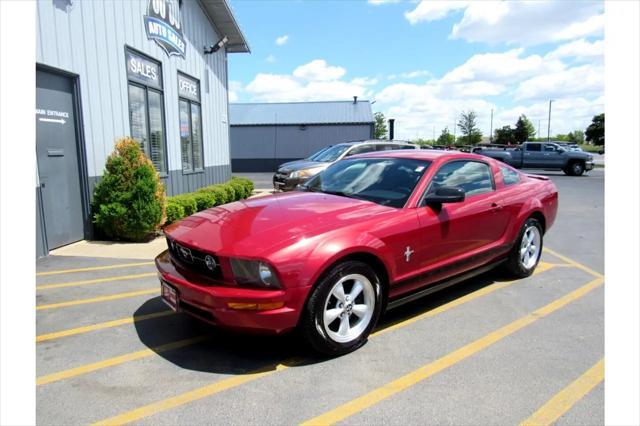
(57, 151)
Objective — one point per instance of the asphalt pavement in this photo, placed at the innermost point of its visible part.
(487, 351)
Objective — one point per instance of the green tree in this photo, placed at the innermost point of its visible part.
(577, 137)
(524, 129)
(446, 138)
(504, 136)
(129, 202)
(468, 126)
(422, 142)
(380, 128)
(595, 132)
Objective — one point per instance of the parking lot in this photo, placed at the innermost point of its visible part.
(488, 351)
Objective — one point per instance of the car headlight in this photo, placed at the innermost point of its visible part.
(590, 158)
(304, 173)
(254, 272)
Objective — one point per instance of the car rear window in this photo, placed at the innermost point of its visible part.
(509, 176)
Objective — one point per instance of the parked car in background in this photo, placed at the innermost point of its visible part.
(370, 233)
(290, 175)
(543, 155)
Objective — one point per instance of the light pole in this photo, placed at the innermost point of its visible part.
(549, 124)
(491, 130)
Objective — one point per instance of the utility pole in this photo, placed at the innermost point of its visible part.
(549, 124)
(538, 128)
(491, 131)
(434, 132)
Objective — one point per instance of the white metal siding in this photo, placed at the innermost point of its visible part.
(89, 40)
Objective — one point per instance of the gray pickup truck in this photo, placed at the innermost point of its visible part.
(542, 155)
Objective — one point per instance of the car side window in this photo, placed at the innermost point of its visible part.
(361, 149)
(549, 147)
(473, 177)
(533, 147)
(509, 176)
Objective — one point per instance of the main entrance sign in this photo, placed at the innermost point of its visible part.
(162, 24)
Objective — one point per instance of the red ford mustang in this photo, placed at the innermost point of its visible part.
(369, 233)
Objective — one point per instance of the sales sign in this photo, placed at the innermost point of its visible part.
(162, 24)
(143, 70)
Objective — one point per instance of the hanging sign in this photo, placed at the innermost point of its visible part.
(162, 24)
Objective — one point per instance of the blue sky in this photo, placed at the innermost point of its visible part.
(424, 62)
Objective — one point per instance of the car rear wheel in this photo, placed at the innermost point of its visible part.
(342, 309)
(525, 254)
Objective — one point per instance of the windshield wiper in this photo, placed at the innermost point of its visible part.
(344, 194)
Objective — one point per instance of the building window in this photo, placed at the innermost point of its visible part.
(190, 123)
(146, 107)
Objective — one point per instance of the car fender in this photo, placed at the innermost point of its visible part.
(334, 248)
(532, 206)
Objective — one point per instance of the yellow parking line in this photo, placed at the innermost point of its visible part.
(96, 281)
(186, 397)
(225, 384)
(567, 397)
(73, 372)
(355, 406)
(93, 268)
(101, 326)
(98, 299)
(574, 263)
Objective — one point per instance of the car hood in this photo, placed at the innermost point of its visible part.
(293, 166)
(254, 227)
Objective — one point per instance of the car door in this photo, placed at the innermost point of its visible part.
(533, 156)
(553, 155)
(459, 236)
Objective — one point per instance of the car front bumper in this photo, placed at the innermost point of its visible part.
(211, 303)
(285, 183)
(589, 165)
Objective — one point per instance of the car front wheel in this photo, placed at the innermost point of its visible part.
(525, 254)
(342, 309)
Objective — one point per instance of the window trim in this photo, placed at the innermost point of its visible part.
(146, 89)
(189, 102)
(458, 160)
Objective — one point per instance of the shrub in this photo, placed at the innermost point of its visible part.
(175, 211)
(129, 202)
(183, 205)
(188, 203)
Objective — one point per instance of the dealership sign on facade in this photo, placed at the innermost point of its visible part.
(162, 23)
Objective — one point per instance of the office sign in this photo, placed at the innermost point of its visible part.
(143, 70)
(188, 88)
(162, 24)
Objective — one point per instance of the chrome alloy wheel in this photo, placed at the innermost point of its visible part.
(349, 308)
(530, 247)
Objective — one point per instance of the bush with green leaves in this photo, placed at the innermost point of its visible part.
(129, 201)
(180, 206)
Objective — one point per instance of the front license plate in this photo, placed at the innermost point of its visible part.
(169, 296)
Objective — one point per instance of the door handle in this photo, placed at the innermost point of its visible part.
(495, 207)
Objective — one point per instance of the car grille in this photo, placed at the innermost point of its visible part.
(196, 260)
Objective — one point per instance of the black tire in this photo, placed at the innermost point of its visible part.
(312, 319)
(576, 168)
(514, 265)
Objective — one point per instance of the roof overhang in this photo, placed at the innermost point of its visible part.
(222, 17)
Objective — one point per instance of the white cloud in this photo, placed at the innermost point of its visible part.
(578, 49)
(379, 2)
(271, 59)
(234, 88)
(282, 40)
(415, 74)
(433, 10)
(319, 70)
(314, 81)
(577, 81)
(524, 23)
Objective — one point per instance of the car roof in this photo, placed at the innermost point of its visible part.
(423, 154)
(377, 141)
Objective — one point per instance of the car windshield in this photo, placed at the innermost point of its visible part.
(313, 156)
(330, 154)
(386, 181)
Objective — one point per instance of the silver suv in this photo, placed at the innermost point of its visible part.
(294, 173)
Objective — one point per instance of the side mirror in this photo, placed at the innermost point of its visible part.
(445, 194)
